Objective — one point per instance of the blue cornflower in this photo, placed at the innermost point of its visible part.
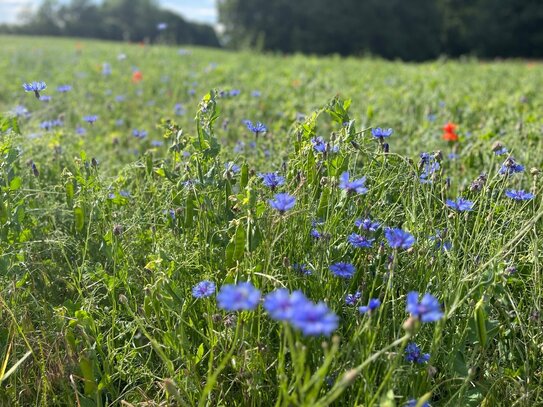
(342, 269)
(399, 239)
(428, 310)
(413, 354)
(106, 69)
(203, 289)
(91, 119)
(282, 202)
(519, 195)
(80, 130)
(500, 150)
(125, 194)
(352, 299)
(236, 297)
(49, 124)
(45, 98)
(179, 109)
(430, 167)
(20, 110)
(272, 180)
(380, 133)
(315, 233)
(314, 319)
(302, 269)
(256, 93)
(360, 241)
(157, 143)
(319, 145)
(373, 304)
(510, 166)
(234, 92)
(141, 134)
(439, 238)
(256, 127)
(460, 205)
(357, 185)
(367, 224)
(64, 88)
(120, 98)
(281, 305)
(413, 403)
(35, 87)
(232, 166)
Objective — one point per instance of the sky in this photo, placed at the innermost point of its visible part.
(194, 10)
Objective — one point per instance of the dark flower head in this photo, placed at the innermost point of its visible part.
(399, 239)
(236, 297)
(342, 269)
(282, 202)
(360, 241)
(35, 87)
(413, 354)
(427, 310)
(460, 205)
(373, 304)
(357, 185)
(203, 289)
(519, 195)
(272, 180)
(381, 133)
(314, 319)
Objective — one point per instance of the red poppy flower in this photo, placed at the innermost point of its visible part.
(447, 136)
(137, 76)
(449, 127)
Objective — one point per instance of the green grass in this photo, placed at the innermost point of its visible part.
(95, 298)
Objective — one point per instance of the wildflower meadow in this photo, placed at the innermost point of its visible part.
(197, 227)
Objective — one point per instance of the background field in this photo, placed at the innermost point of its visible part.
(103, 234)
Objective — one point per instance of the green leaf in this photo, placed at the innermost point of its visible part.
(79, 215)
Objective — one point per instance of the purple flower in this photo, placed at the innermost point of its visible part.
(428, 310)
(460, 205)
(314, 319)
(413, 354)
(256, 127)
(399, 239)
(342, 269)
(519, 195)
(203, 289)
(367, 224)
(236, 297)
(35, 87)
(141, 134)
(373, 304)
(413, 403)
(319, 145)
(352, 299)
(91, 119)
(272, 180)
(232, 166)
(64, 88)
(281, 305)
(357, 185)
(302, 269)
(510, 166)
(381, 133)
(360, 241)
(282, 202)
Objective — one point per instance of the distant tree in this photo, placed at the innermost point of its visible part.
(129, 20)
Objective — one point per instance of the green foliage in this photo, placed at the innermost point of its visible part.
(100, 248)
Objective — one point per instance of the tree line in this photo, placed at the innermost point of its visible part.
(406, 29)
(121, 20)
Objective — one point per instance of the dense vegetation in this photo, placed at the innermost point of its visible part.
(135, 177)
(120, 20)
(410, 30)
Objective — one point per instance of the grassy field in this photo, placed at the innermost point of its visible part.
(157, 249)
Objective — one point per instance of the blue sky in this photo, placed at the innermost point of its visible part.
(195, 10)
